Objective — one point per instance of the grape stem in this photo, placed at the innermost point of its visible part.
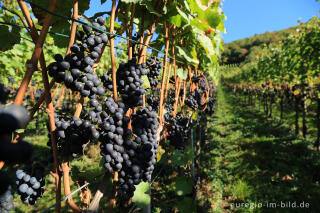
(144, 48)
(73, 26)
(112, 52)
(31, 93)
(114, 192)
(161, 106)
(66, 183)
(130, 32)
(171, 61)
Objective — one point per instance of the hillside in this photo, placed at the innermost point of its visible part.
(240, 50)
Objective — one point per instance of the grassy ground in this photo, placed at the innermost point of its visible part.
(252, 159)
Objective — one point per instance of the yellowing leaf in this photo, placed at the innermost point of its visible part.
(160, 153)
(296, 92)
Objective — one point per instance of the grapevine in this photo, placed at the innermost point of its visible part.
(123, 104)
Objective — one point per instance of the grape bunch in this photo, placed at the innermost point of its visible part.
(130, 83)
(30, 184)
(155, 66)
(72, 134)
(141, 152)
(194, 100)
(178, 131)
(76, 70)
(38, 94)
(6, 201)
(169, 105)
(210, 106)
(168, 115)
(107, 81)
(154, 101)
(113, 129)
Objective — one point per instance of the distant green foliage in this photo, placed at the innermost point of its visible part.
(245, 49)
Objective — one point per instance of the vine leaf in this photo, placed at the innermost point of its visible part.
(186, 205)
(146, 83)
(183, 186)
(8, 38)
(59, 25)
(179, 159)
(185, 54)
(161, 151)
(182, 73)
(140, 197)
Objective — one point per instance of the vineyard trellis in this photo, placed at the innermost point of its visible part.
(287, 73)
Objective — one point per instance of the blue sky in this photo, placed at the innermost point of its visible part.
(246, 18)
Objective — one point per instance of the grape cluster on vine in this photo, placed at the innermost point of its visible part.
(129, 82)
(141, 152)
(76, 69)
(178, 131)
(155, 67)
(72, 135)
(113, 128)
(154, 101)
(210, 106)
(30, 182)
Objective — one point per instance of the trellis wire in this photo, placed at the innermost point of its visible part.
(65, 198)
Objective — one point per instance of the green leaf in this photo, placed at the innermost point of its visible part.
(185, 54)
(149, 5)
(212, 17)
(205, 42)
(184, 16)
(146, 83)
(176, 20)
(103, 1)
(183, 186)
(60, 25)
(179, 158)
(186, 205)
(140, 197)
(8, 38)
(183, 74)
